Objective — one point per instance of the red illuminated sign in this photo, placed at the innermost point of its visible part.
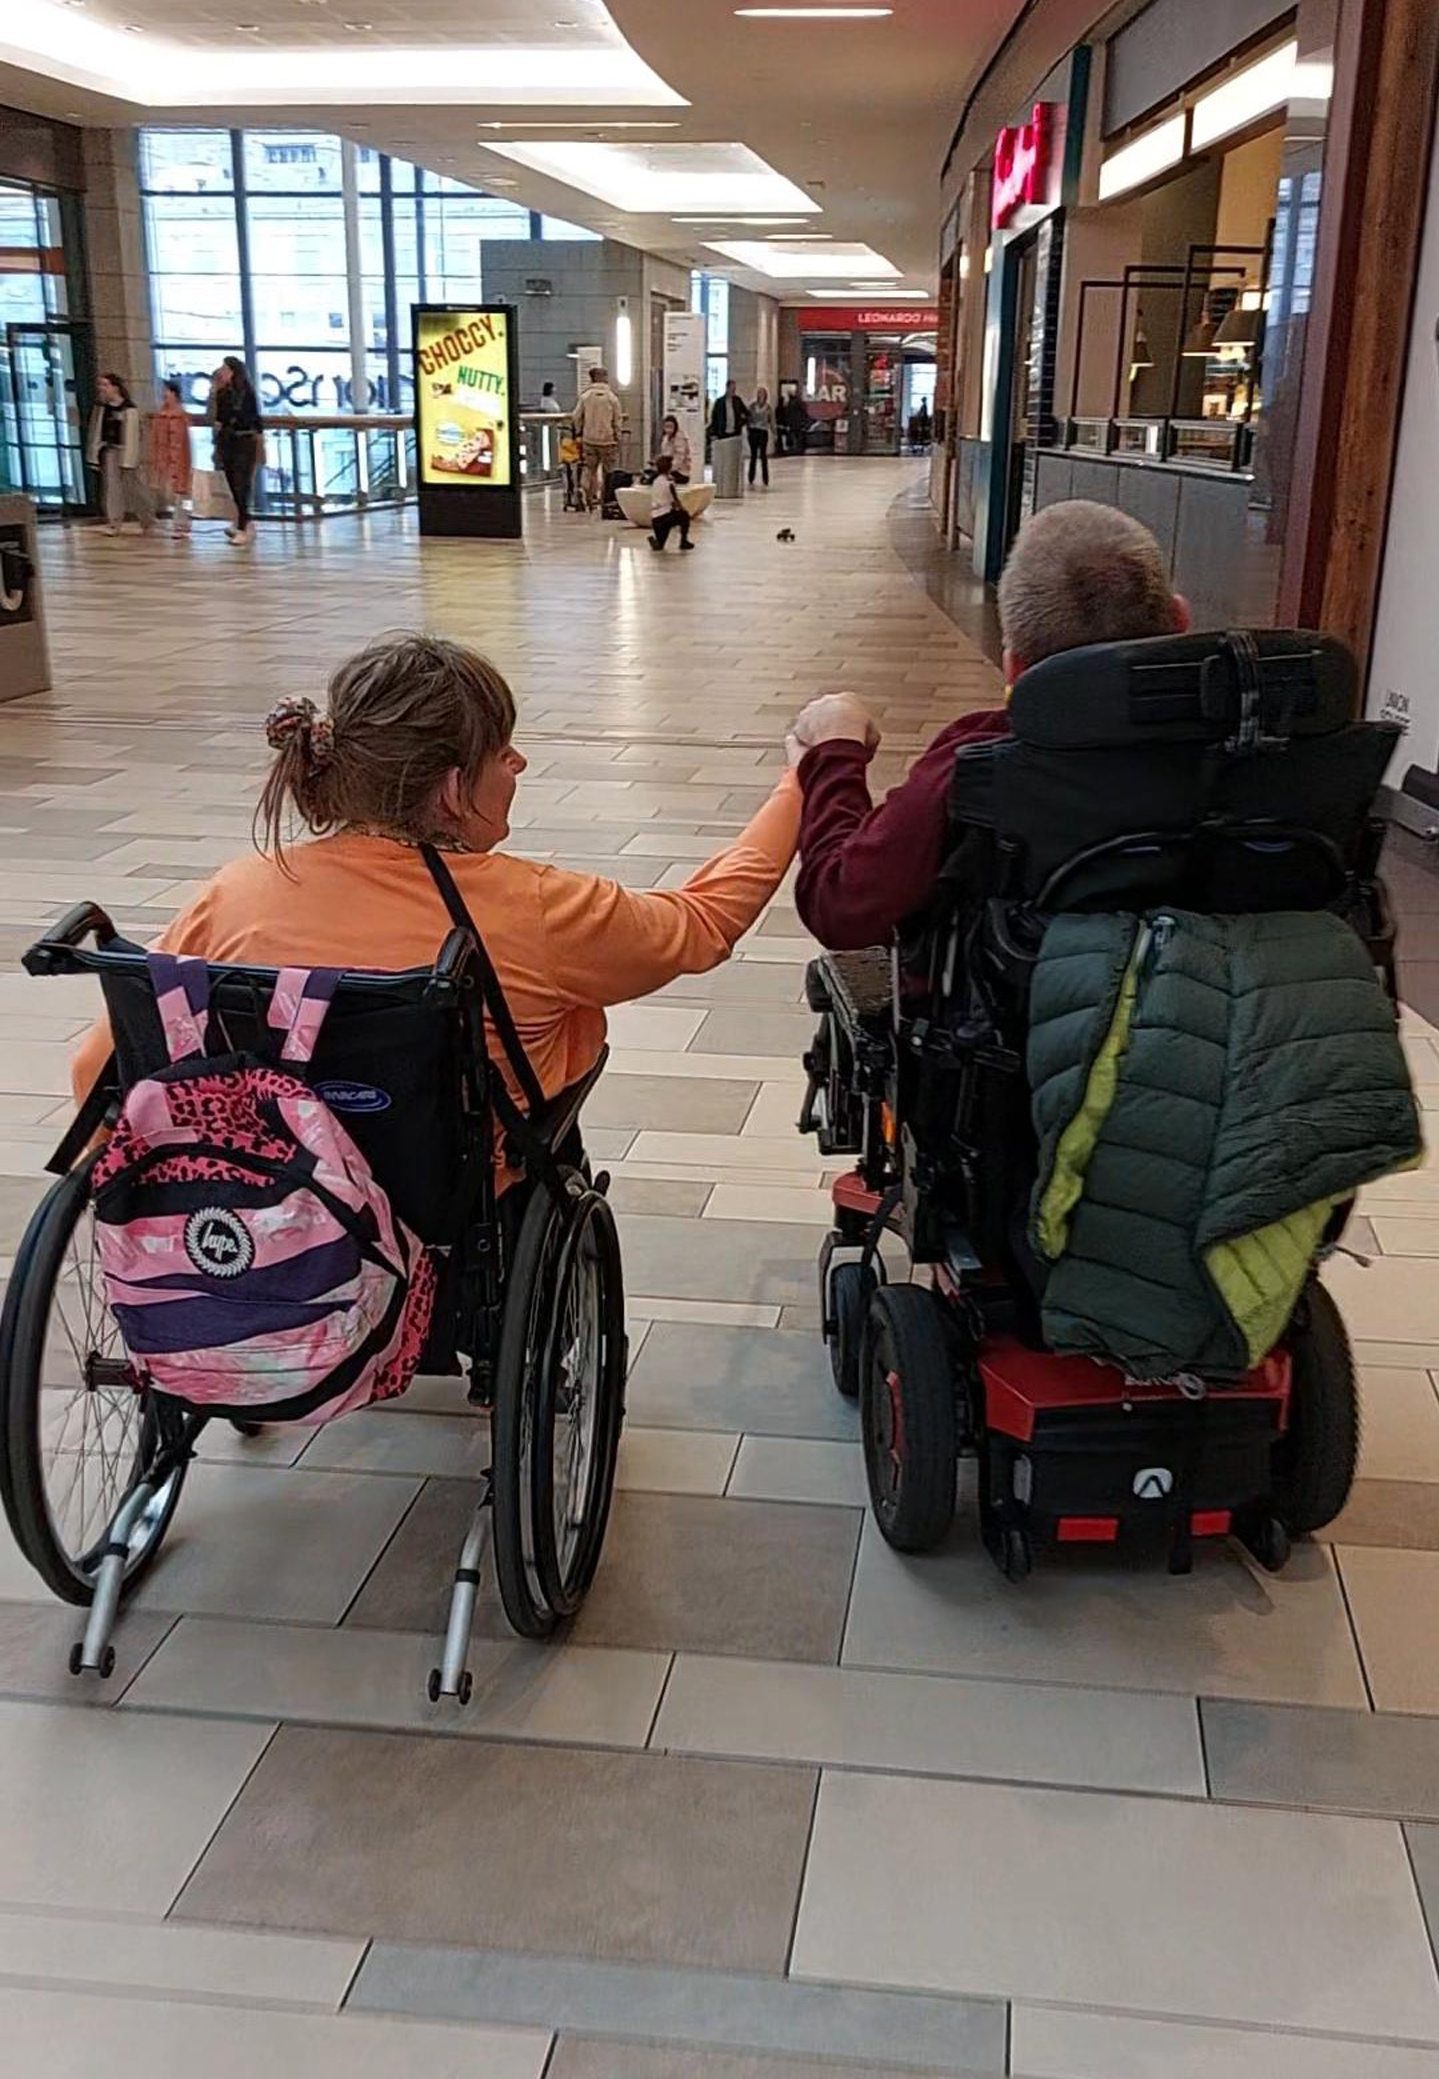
(867, 317)
(1021, 166)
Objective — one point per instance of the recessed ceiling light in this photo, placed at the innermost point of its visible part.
(584, 123)
(661, 179)
(134, 28)
(357, 28)
(794, 261)
(745, 223)
(799, 238)
(247, 28)
(497, 181)
(811, 14)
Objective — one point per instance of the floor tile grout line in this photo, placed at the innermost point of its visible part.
(1431, 1921)
(649, 1747)
(803, 1876)
(1349, 1618)
(350, 1983)
(214, 1834)
(135, 1673)
(369, 1573)
(1204, 1768)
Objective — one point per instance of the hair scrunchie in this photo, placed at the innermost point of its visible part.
(297, 717)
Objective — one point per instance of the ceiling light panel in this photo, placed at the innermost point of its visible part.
(797, 260)
(658, 179)
(813, 14)
(169, 65)
(1246, 95)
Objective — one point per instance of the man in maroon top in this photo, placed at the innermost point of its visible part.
(1078, 573)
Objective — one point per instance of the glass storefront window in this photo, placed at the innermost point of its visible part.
(289, 161)
(187, 162)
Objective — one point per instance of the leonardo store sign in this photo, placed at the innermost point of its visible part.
(867, 317)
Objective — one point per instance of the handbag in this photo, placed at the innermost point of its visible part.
(211, 497)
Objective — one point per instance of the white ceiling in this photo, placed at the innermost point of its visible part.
(855, 114)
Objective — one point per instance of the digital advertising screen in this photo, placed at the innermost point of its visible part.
(465, 402)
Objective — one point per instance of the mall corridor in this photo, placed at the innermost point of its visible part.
(783, 1805)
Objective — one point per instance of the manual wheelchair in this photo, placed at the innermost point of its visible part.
(1214, 773)
(529, 1302)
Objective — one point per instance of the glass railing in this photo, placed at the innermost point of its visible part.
(315, 465)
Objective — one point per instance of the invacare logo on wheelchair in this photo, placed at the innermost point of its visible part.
(254, 1265)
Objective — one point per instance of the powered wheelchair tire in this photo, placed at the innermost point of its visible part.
(77, 1432)
(909, 1418)
(1315, 1460)
(559, 1405)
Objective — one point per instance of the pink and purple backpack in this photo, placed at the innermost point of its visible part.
(253, 1263)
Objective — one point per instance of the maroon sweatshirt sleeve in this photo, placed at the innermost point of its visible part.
(863, 870)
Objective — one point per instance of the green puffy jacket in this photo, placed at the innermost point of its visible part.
(1206, 1090)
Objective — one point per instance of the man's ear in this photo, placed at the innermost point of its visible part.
(1013, 667)
(1183, 619)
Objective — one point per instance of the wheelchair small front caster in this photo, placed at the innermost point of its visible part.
(1269, 1542)
(245, 1429)
(1011, 1550)
(432, 1687)
(104, 1668)
(466, 1689)
(77, 1663)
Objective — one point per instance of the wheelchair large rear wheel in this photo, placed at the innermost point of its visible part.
(909, 1418)
(559, 1406)
(1315, 1460)
(77, 1432)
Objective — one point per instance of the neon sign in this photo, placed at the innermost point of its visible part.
(1021, 166)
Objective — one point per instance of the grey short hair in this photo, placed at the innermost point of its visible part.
(1081, 573)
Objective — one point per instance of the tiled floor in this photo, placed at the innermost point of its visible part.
(784, 1805)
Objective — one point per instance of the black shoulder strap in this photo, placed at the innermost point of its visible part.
(499, 1010)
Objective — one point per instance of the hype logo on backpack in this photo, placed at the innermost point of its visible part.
(253, 1263)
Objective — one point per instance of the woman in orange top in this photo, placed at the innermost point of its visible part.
(416, 748)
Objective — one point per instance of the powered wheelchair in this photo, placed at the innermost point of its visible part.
(529, 1294)
(1220, 773)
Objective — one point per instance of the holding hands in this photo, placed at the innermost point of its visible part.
(832, 718)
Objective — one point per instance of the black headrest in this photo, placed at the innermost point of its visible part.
(1202, 688)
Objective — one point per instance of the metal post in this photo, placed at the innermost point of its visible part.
(354, 273)
(94, 1655)
(452, 1677)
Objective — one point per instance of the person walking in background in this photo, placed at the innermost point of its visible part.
(548, 400)
(761, 432)
(171, 472)
(675, 449)
(113, 448)
(666, 509)
(728, 420)
(598, 421)
(238, 438)
(796, 422)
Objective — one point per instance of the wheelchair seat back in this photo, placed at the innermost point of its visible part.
(1224, 773)
(397, 1067)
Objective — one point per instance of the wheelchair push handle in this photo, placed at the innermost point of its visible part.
(50, 956)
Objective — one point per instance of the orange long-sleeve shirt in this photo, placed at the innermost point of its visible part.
(564, 944)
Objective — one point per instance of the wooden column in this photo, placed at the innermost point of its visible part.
(1376, 181)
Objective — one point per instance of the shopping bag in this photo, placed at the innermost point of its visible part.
(211, 498)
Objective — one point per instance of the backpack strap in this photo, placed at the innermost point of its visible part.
(500, 1014)
(298, 1006)
(182, 997)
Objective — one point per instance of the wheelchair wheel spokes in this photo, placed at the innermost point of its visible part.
(79, 1432)
(558, 1408)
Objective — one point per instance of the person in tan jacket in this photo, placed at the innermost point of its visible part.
(416, 747)
(171, 472)
(599, 419)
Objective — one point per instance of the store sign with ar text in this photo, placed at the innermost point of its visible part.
(466, 428)
(1023, 157)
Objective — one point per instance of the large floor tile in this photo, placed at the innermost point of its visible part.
(596, 2057)
(403, 1440)
(101, 1808)
(689, 1376)
(1392, 1298)
(1395, 1600)
(680, 1571)
(35, 1642)
(932, 1725)
(1423, 1844)
(1224, 1630)
(767, 1262)
(682, 1103)
(754, 1031)
(1083, 1903)
(575, 1852)
(1402, 1514)
(676, 1461)
(799, 1469)
(270, 1542)
(70, 2035)
(718, 2009)
(1051, 2043)
(1325, 1760)
(1399, 1437)
(359, 1677)
(163, 1956)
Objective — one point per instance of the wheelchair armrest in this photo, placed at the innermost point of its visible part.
(49, 956)
(858, 988)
